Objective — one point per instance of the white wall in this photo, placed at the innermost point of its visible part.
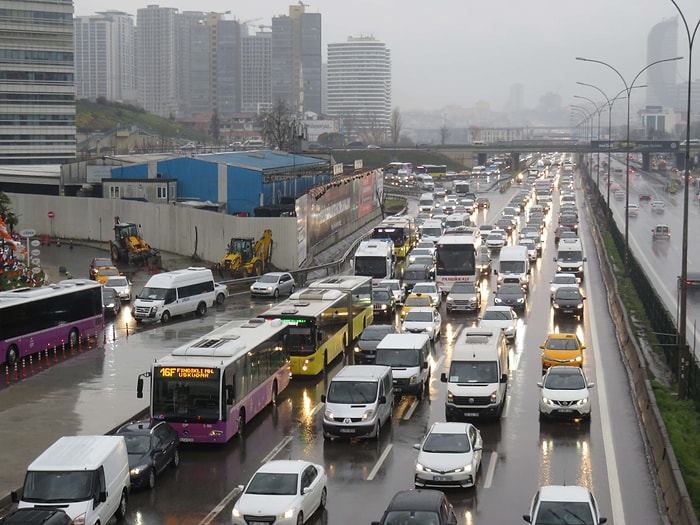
(165, 227)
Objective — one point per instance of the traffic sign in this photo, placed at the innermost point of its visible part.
(27, 233)
(51, 215)
(35, 243)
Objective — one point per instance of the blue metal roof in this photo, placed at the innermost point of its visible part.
(263, 160)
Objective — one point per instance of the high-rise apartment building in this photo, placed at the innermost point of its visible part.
(256, 87)
(359, 86)
(105, 56)
(37, 83)
(296, 59)
(226, 67)
(662, 43)
(193, 64)
(157, 60)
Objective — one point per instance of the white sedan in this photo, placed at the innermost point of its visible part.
(449, 456)
(657, 206)
(286, 492)
(502, 318)
(431, 289)
(422, 319)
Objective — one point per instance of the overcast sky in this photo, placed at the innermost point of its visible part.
(459, 52)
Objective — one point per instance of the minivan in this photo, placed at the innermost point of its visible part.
(408, 355)
(477, 380)
(359, 402)
(86, 476)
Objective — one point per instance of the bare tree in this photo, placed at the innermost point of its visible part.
(215, 126)
(277, 126)
(444, 131)
(395, 126)
(374, 130)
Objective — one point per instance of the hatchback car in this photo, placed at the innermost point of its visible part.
(566, 503)
(283, 491)
(565, 393)
(464, 296)
(121, 285)
(151, 448)
(111, 304)
(423, 320)
(562, 349)
(510, 294)
(273, 284)
(365, 349)
(419, 506)
(431, 289)
(448, 456)
(383, 303)
(568, 302)
(496, 239)
(500, 317)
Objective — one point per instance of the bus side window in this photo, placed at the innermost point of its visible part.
(231, 392)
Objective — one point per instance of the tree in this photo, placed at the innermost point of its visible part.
(278, 126)
(215, 126)
(395, 125)
(6, 213)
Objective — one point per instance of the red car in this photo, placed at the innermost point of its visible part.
(645, 196)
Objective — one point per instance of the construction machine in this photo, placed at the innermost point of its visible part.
(246, 256)
(128, 246)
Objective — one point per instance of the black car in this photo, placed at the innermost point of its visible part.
(510, 294)
(151, 447)
(383, 302)
(366, 346)
(568, 301)
(111, 303)
(34, 516)
(419, 507)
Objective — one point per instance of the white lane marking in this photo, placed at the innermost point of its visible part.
(379, 462)
(488, 480)
(611, 466)
(411, 409)
(277, 449)
(220, 507)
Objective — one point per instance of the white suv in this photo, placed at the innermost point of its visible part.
(573, 504)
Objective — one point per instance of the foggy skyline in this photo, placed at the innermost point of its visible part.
(451, 52)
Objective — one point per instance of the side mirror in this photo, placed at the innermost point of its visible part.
(139, 388)
(323, 398)
(14, 497)
(504, 378)
(443, 377)
(416, 446)
(382, 400)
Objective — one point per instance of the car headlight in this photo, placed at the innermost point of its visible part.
(288, 514)
(521, 300)
(579, 305)
(236, 513)
(135, 471)
(357, 349)
(449, 300)
(582, 402)
(494, 396)
(79, 520)
(414, 379)
(547, 401)
(420, 467)
(252, 287)
(369, 414)
(328, 414)
(556, 305)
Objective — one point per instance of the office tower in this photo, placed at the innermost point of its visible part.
(105, 56)
(256, 92)
(226, 67)
(662, 43)
(156, 60)
(37, 83)
(194, 67)
(359, 86)
(296, 59)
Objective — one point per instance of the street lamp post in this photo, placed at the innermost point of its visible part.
(598, 111)
(628, 89)
(587, 117)
(683, 351)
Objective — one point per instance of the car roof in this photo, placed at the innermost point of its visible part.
(452, 427)
(559, 335)
(275, 274)
(417, 499)
(564, 493)
(284, 466)
(421, 309)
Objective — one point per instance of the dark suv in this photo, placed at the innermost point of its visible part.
(366, 346)
(419, 506)
(151, 448)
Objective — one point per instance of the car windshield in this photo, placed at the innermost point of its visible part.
(352, 392)
(375, 333)
(510, 289)
(390, 286)
(418, 316)
(565, 380)
(407, 517)
(565, 279)
(109, 271)
(463, 288)
(424, 288)
(397, 358)
(424, 259)
(59, 486)
(561, 344)
(418, 301)
(154, 294)
(568, 293)
(116, 281)
(446, 443)
(268, 278)
(137, 444)
(563, 513)
(273, 484)
(497, 315)
(381, 295)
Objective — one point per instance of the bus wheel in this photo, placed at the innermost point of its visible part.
(241, 422)
(73, 338)
(12, 355)
(274, 394)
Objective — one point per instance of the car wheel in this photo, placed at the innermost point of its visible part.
(300, 519)
(175, 462)
(378, 431)
(276, 293)
(241, 423)
(165, 317)
(292, 290)
(220, 298)
(151, 478)
(324, 497)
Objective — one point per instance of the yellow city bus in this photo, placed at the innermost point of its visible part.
(401, 229)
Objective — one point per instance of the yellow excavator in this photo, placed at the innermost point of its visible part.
(246, 256)
(128, 246)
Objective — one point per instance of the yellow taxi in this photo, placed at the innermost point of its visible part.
(104, 272)
(562, 349)
(415, 300)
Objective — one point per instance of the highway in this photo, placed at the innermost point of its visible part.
(520, 453)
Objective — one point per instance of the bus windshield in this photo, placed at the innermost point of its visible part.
(176, 398)
(370, 266)
(455, 259)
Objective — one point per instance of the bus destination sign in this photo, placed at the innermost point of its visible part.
(187, 372)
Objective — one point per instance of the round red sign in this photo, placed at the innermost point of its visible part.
(51, 215)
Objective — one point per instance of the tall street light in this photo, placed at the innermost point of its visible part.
(598, 110)
(581, 111)
(628, 89)
(683, 350)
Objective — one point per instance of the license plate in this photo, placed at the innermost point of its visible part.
(347, 430)
(439, 478)
(565, 411)
(471, 414)
(258, 523)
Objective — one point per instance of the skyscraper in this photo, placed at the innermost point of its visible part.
(662, 43)
(38, 85)
(105, 56)
(256, 92)
(359, 87)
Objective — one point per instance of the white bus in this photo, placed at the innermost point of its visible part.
(375, 258)
(456, 259)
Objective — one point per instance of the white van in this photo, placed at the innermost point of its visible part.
(408, 355)
(175, 293)
(86, 476)
(432, 230)
(514, 265)
(426, 202)
(570, 257)
(425, 182)
(360, 401)
(477, 381)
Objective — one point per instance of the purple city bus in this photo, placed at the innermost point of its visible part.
(210, 388)
(34, 319)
